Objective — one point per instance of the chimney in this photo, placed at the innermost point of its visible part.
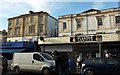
(31, 12)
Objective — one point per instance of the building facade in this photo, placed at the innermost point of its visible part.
(3, 36)
(29, 27)
(90, 22)
(94, 31)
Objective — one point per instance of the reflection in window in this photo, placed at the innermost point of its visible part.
(17, 21)
(10, 22)
(37, 57)
(111, 61)
(41, 28)
(99, 21)
(117, 19)
(31, 29)
(17, 30)
(10, 32)
(97, 61)
(78, 21)
(47, 56)
(31, 19)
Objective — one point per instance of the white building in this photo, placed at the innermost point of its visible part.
(90, 22)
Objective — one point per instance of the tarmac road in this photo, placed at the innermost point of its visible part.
(13, 73)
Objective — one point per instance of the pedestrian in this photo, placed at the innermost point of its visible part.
(64, 63)
(56, 57)
(88, 56)
(79, 61)
(72, 65)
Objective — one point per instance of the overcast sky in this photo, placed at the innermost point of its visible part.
(12, 8)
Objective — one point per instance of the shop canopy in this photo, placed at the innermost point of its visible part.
(10, 50)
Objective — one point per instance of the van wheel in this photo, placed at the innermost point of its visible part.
(88, 72)
(46, 71)
(17, 70)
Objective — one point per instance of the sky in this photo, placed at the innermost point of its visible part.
(13, 8)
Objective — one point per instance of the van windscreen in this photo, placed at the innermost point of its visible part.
(47, 56)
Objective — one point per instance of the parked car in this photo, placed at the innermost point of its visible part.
(99, 66)
(3, 63)
(33, 62)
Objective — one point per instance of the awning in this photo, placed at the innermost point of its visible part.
(10, 50)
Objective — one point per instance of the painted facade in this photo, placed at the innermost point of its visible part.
(90, 22)
(29, 27)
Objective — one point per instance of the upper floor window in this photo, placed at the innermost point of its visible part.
(99, 20)
(17, 21)
(41, 28)
(10, 22)
(78, 21)
(10, 32)
(31, 29)
(64, 25)
(17, 30)
(117, 19)
(31, 19)
(41, 18)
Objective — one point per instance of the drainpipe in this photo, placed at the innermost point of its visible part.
(87, 22)
(71, 26)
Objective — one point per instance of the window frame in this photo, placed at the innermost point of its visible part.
(31, 29)
(37, 59)
(117, 19)
(31, 19)
(64, 25)
(99, 21)
(78, 23)
(17, 30)
(17, 22)
(102, 61)
(10, 22)
(110, 61)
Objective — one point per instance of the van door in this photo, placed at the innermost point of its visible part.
(37, 62)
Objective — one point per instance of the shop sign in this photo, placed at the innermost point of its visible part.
(86, 38)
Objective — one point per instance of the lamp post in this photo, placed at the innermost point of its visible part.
(99, 39)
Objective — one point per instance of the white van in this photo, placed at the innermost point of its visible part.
(33, 62)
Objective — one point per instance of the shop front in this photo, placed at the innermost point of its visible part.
(112, 48)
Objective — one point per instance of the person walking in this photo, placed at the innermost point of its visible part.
(79, 61)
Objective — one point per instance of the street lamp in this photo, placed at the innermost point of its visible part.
(99, 39)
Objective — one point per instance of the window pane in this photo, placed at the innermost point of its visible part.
(31, 19)
(17, 21)
(64, 25)
(117, 18)
(78, 23)
(99, 21)
(36, 57)
(97, 61)
(41, 28)
(10, 23)
(17, 30)
(31, 29)
(111, 61)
